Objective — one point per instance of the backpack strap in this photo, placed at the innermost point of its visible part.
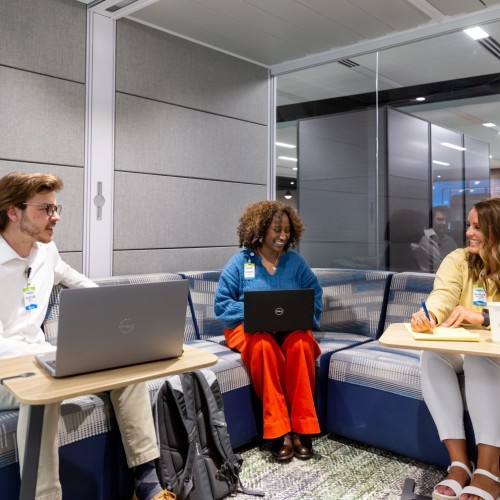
(230, 469)
(174, 386)
(195, 454)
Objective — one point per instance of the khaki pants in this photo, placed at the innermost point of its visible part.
(135, 420)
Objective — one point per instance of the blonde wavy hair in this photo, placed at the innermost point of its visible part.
(488, 216)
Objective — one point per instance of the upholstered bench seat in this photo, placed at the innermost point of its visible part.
(364, 391)
(80, 418)
(374, 396)
(8, 445)
(373, 393)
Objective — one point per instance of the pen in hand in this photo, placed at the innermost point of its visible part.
(427, 315)
(424, 307)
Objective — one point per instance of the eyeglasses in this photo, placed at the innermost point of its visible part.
(50, 208)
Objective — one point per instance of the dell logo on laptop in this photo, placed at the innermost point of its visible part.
(126, 326)
(279, 311)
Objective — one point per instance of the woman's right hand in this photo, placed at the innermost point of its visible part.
(420, 323)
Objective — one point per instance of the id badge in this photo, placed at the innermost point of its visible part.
(478, 296)
(249, 270)
(29, 293)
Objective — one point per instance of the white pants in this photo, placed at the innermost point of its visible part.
(441, 391)
(134, 416)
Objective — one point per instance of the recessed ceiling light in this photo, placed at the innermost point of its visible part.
(476, 33)
(489, 124)
(420, 99)
(453, 146)
(289, 158)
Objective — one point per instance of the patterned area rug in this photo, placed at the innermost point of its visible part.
(340, 469)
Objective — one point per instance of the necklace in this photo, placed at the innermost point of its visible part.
(268, 261)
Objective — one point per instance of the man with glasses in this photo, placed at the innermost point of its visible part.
(30, 265)
(436, 243)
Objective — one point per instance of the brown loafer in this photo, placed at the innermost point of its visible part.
(302, 446)
(282, 447)
(164, 495)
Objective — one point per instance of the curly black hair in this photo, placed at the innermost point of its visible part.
(257, 217)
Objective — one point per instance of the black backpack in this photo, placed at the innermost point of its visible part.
(196, 459)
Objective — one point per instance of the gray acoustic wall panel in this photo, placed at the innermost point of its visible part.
(160, 138)
(74, 259)
(160, 66)
(42, 118)
(42, 103)
(158, 212)
(44, 36)
(191, 151)
(171, 260)
(69, 230)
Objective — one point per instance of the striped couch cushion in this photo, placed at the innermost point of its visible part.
(202, 287)
(406, 292)
(375, 366)
(372, 365)
(81, 417)
(8, 444)
(353, 300)
(229, 369)
(352, 303)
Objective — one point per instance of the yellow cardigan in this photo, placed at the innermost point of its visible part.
(453, 287)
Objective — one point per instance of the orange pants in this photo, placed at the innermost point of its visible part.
(282, 369)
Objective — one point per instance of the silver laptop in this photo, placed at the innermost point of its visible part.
(117, 325)
(279, 310)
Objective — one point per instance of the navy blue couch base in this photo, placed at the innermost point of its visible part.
(355, 411)
(79, 462)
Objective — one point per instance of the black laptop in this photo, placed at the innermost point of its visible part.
(279, 310)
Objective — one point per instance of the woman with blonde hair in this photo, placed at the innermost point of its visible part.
(466, 280)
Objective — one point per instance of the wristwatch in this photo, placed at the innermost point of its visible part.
(486, 316)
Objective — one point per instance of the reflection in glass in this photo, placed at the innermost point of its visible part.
(446, 81)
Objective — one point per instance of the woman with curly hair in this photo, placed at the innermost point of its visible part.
(281, 365)
(466, 280)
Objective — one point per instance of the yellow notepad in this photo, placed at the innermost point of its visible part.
(443, 333)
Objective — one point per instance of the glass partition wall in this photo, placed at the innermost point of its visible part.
(380, 151)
